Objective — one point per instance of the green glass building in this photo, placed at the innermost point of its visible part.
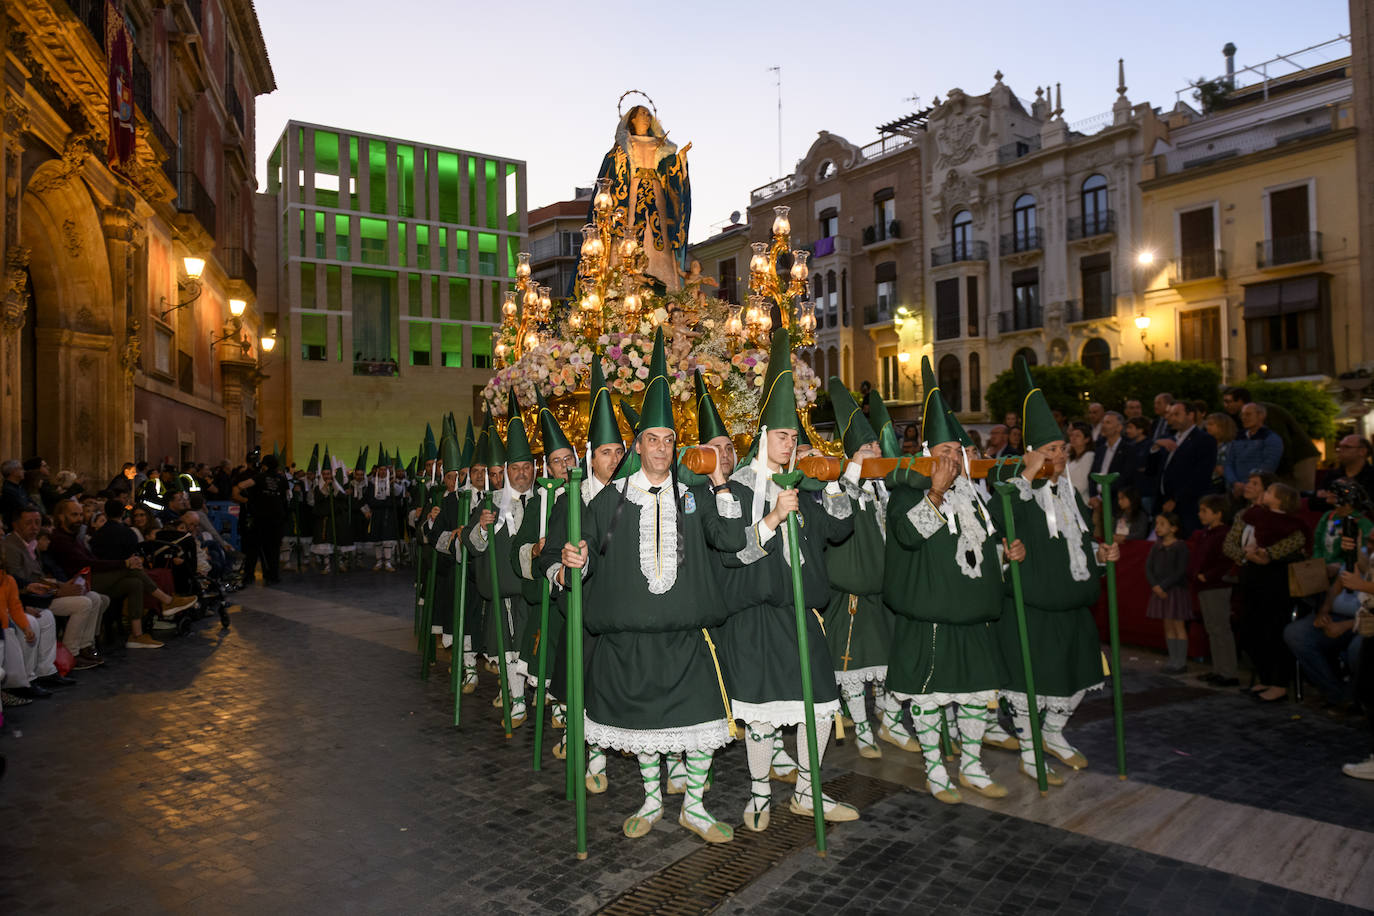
(391, 261)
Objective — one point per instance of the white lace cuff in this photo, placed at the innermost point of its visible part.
(925, 518)
(854, 471)
(727, 506)
(837, 504)
(552, 575)
(478, 539)
(444, 542)
(753, 545)
(1023, 488)
(526, 561)
(705, 736)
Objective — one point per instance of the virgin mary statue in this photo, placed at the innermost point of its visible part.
(649, 182)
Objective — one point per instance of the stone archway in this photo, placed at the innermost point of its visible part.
(82, 414)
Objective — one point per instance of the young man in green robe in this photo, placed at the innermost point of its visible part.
(1059, 585)
(650, 545)
(759, 641)
(605, 450)
(858, 626)
(301, 506)
(509, 506)
(943, 577)
(442, 533)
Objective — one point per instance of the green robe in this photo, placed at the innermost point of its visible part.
(333, 525)
(945, 639)
(650, 592)
(759, 641)
(512, 587)
(438, 537)
(1065, 650)
(861, 641)
(552, 555)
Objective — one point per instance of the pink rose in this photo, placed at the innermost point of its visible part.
(643, 372)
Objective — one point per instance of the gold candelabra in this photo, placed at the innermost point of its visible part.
(610, 273)
(523, 310)
(771, 283)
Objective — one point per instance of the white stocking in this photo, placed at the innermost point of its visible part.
(927, 723)
(596, 761)
(783, 766)
(758, 748)
(515, 684)
(857, 711)
(803, 793)
(1020, 720)
(697, 768)
(973, 722)
(677, 774)
(649, 771)
(891, 708)
(1057, 713)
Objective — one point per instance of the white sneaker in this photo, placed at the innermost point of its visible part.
(1362, 770)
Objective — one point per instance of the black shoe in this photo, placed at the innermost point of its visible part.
(1222, 682)
(56, 680)
(31, 692)
(1211, 677)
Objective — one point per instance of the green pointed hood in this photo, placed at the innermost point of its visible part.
(1038, 427)
(410, 468)
(450, 454)
(937, 423)
(430, 451)
(517, 440)
(631, 417)
(482, 447)
(778, 400)
(314, 466)
(327, 461)
(361, 463)
(709, 423)
(656, 410)
(469, 445)
(601, 426)
(495, 452)
(881, 423)
(549, 430)
(382, 460)
(853, 427)
(802, 437)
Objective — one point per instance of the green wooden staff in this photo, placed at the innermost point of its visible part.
(499, 610)
(576, 724)
(427, 617)
(789, 481)
(551, 486)
(1104, 483)
(1007, 490)
(420, 558)
(460, 588)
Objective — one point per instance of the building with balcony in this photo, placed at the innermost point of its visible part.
(859, 211)
(556, 241)
(725, 255)
(390, 259)
(130, 324)
(1252, 222)
(1032, 225)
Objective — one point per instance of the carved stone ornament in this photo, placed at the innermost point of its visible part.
(16, 302)
(1059, 352)
(132, 354)
(71, 238)
(958, 191)
(83, 424)
(73, 157)
(959, 133)
(84, 320)
(85, 363)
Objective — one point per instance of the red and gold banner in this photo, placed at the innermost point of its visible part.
(119, 52)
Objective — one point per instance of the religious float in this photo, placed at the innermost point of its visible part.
(633, 277)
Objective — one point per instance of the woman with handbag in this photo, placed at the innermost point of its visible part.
(1264, 540)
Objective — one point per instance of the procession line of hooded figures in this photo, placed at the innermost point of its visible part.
(335, 512)
(689, 617)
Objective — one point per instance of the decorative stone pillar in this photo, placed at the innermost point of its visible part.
(14, 299)
(240, 379)
(119, 226)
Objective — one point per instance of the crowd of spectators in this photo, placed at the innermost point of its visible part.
(1241, 531)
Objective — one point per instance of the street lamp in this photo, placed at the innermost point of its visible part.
(268, 343)
(1143, 322)
(1145, 258)
(194, 268)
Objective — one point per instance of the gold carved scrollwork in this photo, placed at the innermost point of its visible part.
(16, 301)
(132, 354)
(73, 157)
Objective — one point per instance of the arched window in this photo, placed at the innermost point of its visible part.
(1095, 218)
(950, 381)
(961, 232)
(1027, 354)
(1097, 356)
(1024, 237)
(832, 365)
(975, 385)
(832, 299)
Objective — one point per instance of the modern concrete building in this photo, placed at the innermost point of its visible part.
(1253, 221)
(556, 240)
(859, 211)
(391, 258)
(1032, 225)
(110, 348)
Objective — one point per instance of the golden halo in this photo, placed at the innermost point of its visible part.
(621, 102)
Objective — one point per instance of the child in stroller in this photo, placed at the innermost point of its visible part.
(197, 568)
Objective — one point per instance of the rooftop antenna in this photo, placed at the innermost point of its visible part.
(778, 71)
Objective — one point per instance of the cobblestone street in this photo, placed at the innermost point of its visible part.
(297, 764)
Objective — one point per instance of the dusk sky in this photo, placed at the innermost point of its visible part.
(539, 80)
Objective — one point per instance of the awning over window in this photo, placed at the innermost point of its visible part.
(1281, 297)
(885, 272)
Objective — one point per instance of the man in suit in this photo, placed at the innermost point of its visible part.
(1162, 429)
(997, 444)
(1185, 464)
(1095, 414)
(1111, 455)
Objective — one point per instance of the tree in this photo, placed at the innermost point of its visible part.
(1313, 408)
(1066, 388)
(1186, 381)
